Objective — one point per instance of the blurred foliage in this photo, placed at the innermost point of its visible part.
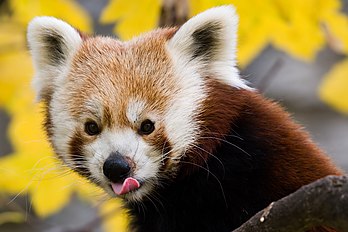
(132, 16)
(334, 89)
(299, 28)
(13, 217)
(296, 26)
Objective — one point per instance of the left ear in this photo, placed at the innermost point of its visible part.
(207, 42)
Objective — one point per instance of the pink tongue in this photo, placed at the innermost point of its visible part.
(128, 185)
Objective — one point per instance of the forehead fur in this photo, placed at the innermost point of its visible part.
(108, 73)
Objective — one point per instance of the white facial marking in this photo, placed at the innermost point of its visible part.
(180, 122)
(128, 144)
(134, 109)
(63, 125)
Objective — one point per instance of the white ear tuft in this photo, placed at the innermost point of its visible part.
(208, 42)
(52, 43)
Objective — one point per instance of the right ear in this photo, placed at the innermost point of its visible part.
(52, 43)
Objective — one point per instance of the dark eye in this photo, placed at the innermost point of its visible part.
(147, 127)
(92, 128)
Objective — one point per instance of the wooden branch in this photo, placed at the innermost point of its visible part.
(321, 203)
(173, 13)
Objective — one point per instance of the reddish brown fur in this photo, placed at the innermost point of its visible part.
(226, 105)
(293, 146)
(215, 120)
(296, 161)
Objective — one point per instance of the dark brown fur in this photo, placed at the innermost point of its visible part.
(293, 159)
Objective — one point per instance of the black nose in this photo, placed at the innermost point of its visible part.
(116, 168)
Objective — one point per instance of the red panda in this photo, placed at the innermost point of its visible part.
(165, 122)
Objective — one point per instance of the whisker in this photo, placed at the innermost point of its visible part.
(216, 178)
(211, 154)
(17, 195)
(225, 141)
(149, 198)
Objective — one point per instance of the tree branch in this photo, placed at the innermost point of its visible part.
(321, 203)
(173, 13)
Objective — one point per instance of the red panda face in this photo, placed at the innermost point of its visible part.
(125, 114)
(122, 102)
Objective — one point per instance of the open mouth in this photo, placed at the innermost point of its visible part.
(129, 184)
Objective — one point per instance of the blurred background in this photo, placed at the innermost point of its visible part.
(293, 51)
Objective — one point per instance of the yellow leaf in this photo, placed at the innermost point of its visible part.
(334, 88)
(115, 10)
(337, 32)
(13, 171)
(254, 29)
(115, 219)
(198, 6)
(26, 132)
(132, 17)
(298, 30)
(11, 217)
(68, 10)
(50, 192)
(12, 36)
(13, 54)
(89, 192)
(292, 26)
(303, 39)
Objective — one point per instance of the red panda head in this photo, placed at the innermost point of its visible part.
(126, 114)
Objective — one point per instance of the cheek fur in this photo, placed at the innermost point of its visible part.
(217, 115)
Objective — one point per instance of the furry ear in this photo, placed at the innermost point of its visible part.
(207, 42)
(52, 43)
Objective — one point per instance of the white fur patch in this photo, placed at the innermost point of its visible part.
(63, 124)
(47, 74)
(222, 66)
(134, 109)
(181, 126)
(129, 144)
